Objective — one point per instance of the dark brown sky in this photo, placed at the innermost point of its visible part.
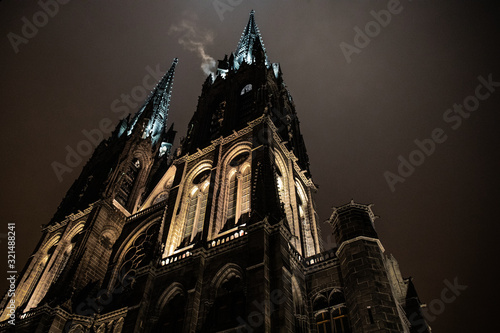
(356, 117)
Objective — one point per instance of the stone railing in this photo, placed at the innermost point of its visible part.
(227, 237)
(320, 257)
(147, 211)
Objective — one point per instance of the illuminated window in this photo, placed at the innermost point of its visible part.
(246, 101)
(245, 190)
(331, 315)
(304, 219)
(229, 305)
(232, 196)
(238, 189)
(197, 206)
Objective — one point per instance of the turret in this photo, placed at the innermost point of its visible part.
(369, 297)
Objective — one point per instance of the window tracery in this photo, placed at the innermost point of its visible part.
(139, 251)
(196, 209)
(238, 189)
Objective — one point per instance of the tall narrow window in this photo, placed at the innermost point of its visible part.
(305, 224)
(37, 274)
(203, 208)
(245, 190)
(128, 181)
(191, 214)
(196, 209)
(172, 315)
(63, 263)
(340, 321)
(331, 316)
(324, 323)
(232, 196)
(229, 305)
(238, 190)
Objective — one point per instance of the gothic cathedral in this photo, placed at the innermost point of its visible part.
(218, 235)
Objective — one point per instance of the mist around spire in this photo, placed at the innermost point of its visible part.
(196, 40)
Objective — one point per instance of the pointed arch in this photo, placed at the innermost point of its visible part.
(128, 182)
(171, 309)
(228, 295)
(188, 223)
(234, 203)
(168, 294)
(162, 189)
(223, 274)
(135, 250)
(304, 214)
(299, 305)
(330, 311)
(52, 260)
(284, 182)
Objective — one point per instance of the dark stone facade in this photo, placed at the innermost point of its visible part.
(219, 236)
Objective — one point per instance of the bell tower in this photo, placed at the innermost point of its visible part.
(75, 247)
(243, 158)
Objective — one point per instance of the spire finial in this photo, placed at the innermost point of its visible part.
(155, 108)
(250, 42)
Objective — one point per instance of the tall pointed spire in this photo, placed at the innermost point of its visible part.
(249, 43)
(154, 112)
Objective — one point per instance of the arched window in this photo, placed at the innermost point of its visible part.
(129, 178)
(229, 305)
(196, 209)
(305, 224)
(299, 307)
(232, 195)
(172, 315)
(245, 190)
(331, 315)
(238, 190)
(37, 273)
(138, 253)
(246, 100)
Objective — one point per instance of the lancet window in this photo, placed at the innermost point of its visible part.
(304, 218)
(238, 189)
(197, 206)
(129, 178)
(331, 313)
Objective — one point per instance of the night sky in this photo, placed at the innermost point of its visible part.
(359, 113)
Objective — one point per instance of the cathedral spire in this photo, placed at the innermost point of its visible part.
(154, 112)
(250, 43)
